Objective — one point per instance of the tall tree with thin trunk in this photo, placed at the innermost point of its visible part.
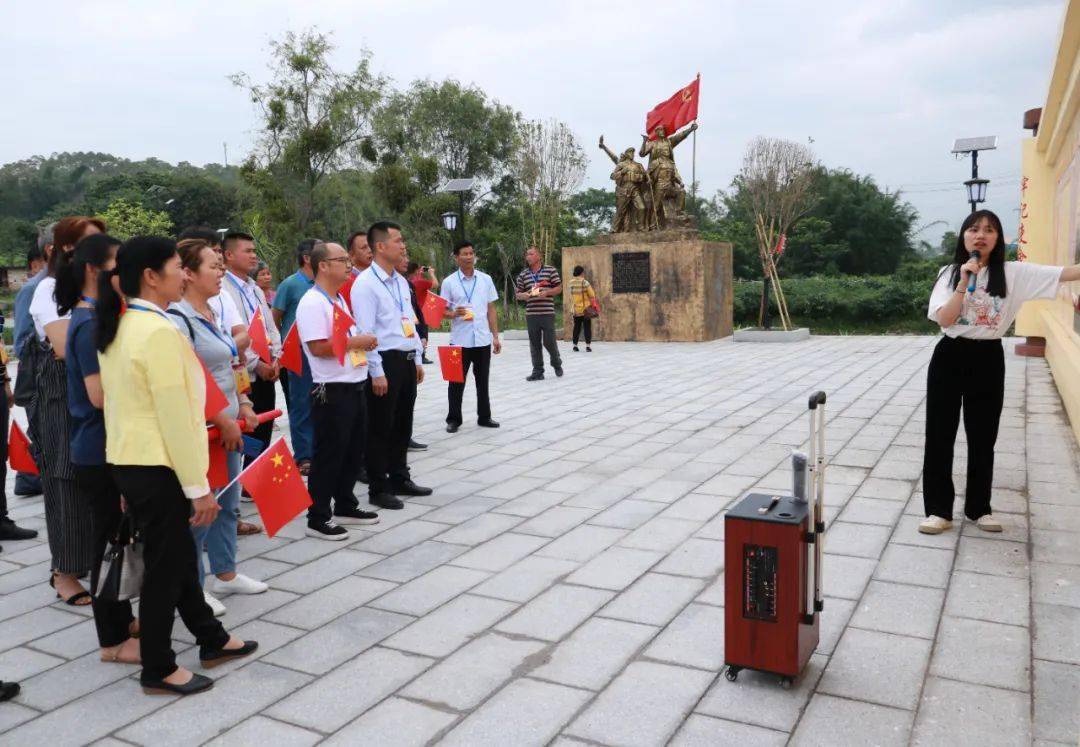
(549, 166)
(776, 180)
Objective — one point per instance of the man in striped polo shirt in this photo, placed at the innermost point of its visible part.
(537, 285)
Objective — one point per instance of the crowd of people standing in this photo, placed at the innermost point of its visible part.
(116, 343)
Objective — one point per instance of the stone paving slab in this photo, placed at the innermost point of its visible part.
(564, 583)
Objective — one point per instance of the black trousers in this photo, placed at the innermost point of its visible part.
(171, 580)
(263, 397)
(96, 486)
(337, 418)
(479, 359)
(390, 421)
(542, 332)
(583, 323)
(969, 373)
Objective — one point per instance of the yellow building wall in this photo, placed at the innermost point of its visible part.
(1050, 213)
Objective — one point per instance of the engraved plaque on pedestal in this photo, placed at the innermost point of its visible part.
(630, 272)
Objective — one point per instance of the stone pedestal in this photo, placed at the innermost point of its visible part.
(666, 286)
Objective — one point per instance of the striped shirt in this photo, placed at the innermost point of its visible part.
(546, 277)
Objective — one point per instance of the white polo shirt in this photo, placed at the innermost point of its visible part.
(476, 293)
(315, 321)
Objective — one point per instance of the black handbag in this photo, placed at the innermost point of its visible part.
(120, 577)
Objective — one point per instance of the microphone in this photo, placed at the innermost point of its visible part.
(974, 276)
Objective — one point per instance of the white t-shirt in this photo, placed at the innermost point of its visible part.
(226, 312)
(43, 306)
(986, 317)
(315, 321)
(476, 293)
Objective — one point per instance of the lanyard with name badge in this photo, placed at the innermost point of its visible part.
(356, 357)
(408, 328)
(243, 294)
(239, 370)
(469, 314)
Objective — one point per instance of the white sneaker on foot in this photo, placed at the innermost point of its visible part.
(239, 584)
(934, 525)
(988, 523)
(217, 607)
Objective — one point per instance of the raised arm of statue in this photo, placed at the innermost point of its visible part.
(611, 154)
(678, 137)
(646, 146)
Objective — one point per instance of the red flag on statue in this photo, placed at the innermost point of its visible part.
(292, 357)
(339, 333)
(433, 309)
(453, 368)
(274, 483)
(19, 451)
(678, 111)
(260, 345)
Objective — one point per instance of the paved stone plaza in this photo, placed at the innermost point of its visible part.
(564, 584)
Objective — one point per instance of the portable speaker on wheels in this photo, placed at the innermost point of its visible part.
(772, 585)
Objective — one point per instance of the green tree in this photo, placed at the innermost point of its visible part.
(315, 120)
(126, 219)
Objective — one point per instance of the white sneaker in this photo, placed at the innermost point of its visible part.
(934, 525)
(988, 523)
(217, 607)
(239, 584)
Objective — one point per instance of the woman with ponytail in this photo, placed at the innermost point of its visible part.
(155, 394)
(975, 300)
(68, 518)
(76, 294)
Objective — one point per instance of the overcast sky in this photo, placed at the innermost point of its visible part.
(883, 87)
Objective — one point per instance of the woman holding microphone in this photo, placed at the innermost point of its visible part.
(975, 301)
(155, 395)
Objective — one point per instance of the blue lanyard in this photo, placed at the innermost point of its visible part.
(330, 300)
(229, 342)
(87, 299)
(136, 307)
(243, 295)
(536, 275)
(461, 280)
(394, 295)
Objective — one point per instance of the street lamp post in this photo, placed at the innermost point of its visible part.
(461, 186)
(976, 187)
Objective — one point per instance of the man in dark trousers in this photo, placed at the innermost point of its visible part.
(474, 325)
(537, 285)
(382, 303)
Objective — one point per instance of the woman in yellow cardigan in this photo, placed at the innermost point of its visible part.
(156, 444)
(583, 298)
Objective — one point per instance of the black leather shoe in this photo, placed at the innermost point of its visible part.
(196, 684)
(535, 377)
(416, 446)
(489, 423)
(558, 371)
(410, 488)
(362, 477)
(386, 500)
(9, 531)
(213, 656)
(452, 427)
(8, 690)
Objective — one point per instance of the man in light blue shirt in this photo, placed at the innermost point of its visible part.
(474, 325)
(382, 306)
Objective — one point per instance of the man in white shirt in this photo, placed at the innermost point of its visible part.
(337, 399)
(240, 260)
(382, 302)
(474, 325)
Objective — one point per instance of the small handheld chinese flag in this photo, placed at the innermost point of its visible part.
(292, 357)
(339, 333)
(433, 309)
(260, 345)
(274, 483)
(678, 111)
(453, 368)
(345, 291)
(19, 451)
(218, 472)
(216, 401)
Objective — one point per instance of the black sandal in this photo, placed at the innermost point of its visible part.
(73, 600)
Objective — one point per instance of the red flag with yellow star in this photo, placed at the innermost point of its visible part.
(274, 483)
(432, 309)
(339, 333)
(453, 368)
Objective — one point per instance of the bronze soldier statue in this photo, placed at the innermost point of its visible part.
(633, 202)
(667, 186)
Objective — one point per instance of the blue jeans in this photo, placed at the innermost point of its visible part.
(220, 537)
(300, 427)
